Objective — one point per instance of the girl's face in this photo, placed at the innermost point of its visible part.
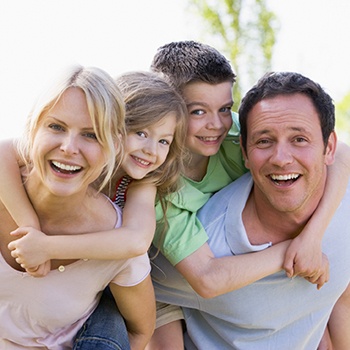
(66, 153)
(209, 108)
(147, 149)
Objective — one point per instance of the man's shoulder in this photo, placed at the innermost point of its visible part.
(236, 191)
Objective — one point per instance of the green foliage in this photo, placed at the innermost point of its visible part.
(342, 109)
(246, 33)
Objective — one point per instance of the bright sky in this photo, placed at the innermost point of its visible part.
(40, 37)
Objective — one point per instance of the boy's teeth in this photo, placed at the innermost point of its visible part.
(66, 166)
(209, 138)
(284, 177)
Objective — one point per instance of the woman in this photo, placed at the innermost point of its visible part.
(71, 142)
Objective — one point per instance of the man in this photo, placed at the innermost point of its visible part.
(288, 140)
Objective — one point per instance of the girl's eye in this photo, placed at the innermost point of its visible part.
(164, 142)
(141, 133)
(56, 127)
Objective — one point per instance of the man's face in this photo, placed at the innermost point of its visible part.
(286, 153)
(209, 109)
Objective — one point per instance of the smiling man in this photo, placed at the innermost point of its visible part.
(288, 141)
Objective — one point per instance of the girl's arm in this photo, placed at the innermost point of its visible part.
(12, 192)
(304, 255)
(133, 238)
(137, 306)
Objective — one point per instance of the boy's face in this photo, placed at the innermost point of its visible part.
(209, 108)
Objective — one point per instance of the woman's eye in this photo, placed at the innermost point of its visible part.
(56, 127)
(91, 135)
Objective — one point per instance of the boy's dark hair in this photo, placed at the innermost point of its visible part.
(189, 61)
(286, 83)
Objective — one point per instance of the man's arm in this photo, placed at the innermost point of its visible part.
(339, 322)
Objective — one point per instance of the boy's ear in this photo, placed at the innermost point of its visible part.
(246, 161)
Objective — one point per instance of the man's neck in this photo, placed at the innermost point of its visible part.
(264, 223)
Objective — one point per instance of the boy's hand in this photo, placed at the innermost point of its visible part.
(305, 259)
(30, 251)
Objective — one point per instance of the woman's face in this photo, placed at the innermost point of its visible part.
(66, 153)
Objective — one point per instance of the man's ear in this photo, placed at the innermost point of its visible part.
(246, 161)
(331, 148)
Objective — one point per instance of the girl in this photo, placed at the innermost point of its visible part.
(155, 123)
(71, 141)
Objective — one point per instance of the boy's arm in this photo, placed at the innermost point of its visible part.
(210, 276)
(137, 305)
(304, 256)
(12, 192)
(133, 238)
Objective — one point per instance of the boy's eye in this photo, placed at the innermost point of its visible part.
(197, 112)
(226, 109)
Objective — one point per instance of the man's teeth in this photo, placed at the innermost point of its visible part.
(284, 177)
(66, 167)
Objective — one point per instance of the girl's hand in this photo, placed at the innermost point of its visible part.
(30, 251)
(305, 259)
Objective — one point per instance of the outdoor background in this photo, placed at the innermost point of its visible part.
(40, 37)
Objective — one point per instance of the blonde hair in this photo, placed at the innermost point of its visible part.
(148, 98)
(106, 109)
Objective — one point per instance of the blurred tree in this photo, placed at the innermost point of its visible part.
(343, 119)
(246, 34)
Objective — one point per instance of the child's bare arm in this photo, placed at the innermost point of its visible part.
(133, 238)
(304, 255)
(12, 192)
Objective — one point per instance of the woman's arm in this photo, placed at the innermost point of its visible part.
(137, 306)
(12, 191)
(133, 238)
(304, 256)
